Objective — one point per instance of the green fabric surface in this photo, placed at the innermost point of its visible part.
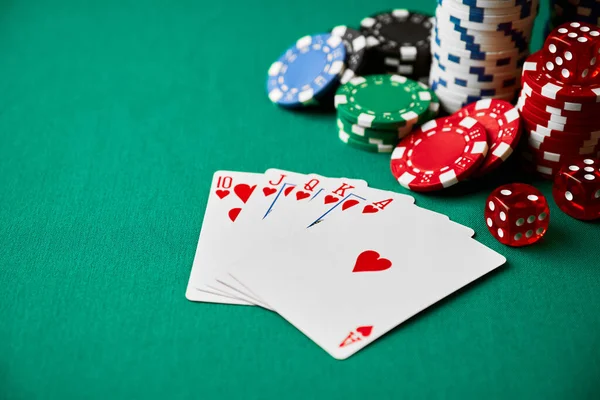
(114, 116)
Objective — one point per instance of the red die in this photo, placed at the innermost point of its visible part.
(572, 53)
(517, 214)
(576, 188)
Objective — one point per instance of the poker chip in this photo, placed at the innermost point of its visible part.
(451, 96)
(455, 63)
(505, 25)
(439, 154)
(376, 111)
(398, 33)
(559, 107)
(370, 147)
(520, 9)
(478, 49)
(399, 42)
(541, 169)
(369, 135)
(547, 156)
(502, 124)
(560, 144)
(471, 86)
(541, 133)
(356, 48)
(383, 101)
(306, 71)
(481, 43)
(490, 3)
(475, 76)
(553, 121)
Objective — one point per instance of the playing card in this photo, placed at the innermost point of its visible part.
(345, 287)
(229, 193)
(275, 186)
(367, 201)
(272, 187)
(354, 205)
(293, 196)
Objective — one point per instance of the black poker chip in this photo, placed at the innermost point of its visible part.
(356, 48)
(401, 34)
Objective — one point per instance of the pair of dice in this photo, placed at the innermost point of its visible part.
(572, 54)
(518, 214)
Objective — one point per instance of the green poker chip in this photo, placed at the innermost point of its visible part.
(368, 135)
(387, 136)
(383, 101)
(370, 147)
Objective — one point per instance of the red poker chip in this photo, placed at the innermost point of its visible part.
(530, 117)
(439, 154)
(577, 152)
(562, 108)
(548, 87)
(548, 158)
(546, 172)
(558, 106)
(561, 148)
(545, 152)
(534, 158)
(502, 123)
(560, 141)
(541, 133)
(546, 131)
(582, 121)
(529, 113)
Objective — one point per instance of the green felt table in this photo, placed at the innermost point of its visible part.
(114, 116)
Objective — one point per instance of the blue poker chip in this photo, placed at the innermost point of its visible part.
(307, 70)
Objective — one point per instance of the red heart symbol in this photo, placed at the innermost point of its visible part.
(364, 330)
(243, 191)
(233, 213)
(287, 190)
(330, 199)
(370, 261)
(222, 193)
(349, 203)
(301, 195)
(370, 209)
(269, 191)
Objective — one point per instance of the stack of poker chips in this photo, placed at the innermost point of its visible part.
(478, 49)
(560, 99)
(562, 11)
(375, 111)
(399, 43)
